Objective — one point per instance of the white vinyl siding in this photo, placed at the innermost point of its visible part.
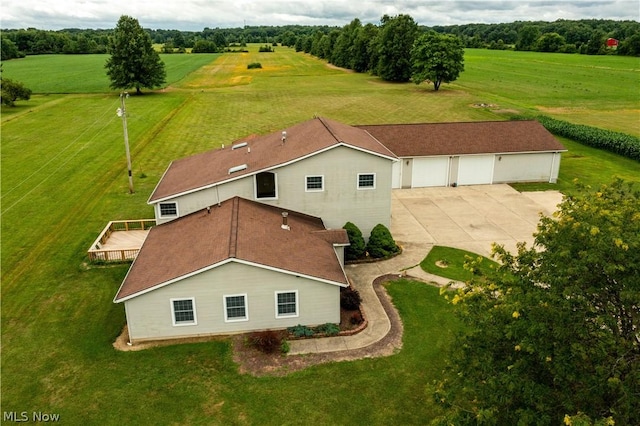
(339, 202)
(534, 167)
(235, 308)
(286, 304)
(314, 183)
(366, 181)
(148, 314)
(183, 311)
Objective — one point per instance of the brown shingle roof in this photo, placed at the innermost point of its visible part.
(413, 140)
(237, 229)
(260, 153)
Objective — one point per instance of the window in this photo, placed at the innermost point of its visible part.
(235, 308)
(168, 210)
(266, 185)
(183, 311)
(366, 181)
(286, 304)
(314, 183)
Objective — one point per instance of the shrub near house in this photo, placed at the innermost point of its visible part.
(356, 248)
(381, 243)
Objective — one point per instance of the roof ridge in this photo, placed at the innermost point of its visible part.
(326, 125)
(233, 231)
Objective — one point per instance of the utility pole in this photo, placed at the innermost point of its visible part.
(122, 112)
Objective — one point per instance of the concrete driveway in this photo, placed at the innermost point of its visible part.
(468, 217)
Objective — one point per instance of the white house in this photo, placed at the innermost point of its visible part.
(320, 167)
(249, 235)
(444, 154)
(235, 267)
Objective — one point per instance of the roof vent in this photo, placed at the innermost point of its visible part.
(285, 221)
(237, 168)
(239, 145)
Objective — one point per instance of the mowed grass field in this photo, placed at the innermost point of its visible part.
(64, 177)
(601, 91)
(85, 73)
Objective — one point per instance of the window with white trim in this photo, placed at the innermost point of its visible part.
(266, 185)
(366, 181)
(235, 308)
(183, 311)
(286, 304)
(314, 183)
(168, 209)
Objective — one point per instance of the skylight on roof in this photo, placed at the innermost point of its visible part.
(239, 145)
(237, 168)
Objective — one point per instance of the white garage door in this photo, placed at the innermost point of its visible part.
(475, 170)
(431, 171)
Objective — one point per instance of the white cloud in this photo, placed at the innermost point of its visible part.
(197, 14)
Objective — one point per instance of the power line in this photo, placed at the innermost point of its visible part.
(60, 152)
(60, 165)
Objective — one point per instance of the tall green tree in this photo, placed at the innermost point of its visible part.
(550, 42)
(395, 40)
(344, 45)
(527, 37)
(631, 46)
(8, 49)
(133, 61)
(364, 51)
(555, 334)
(11, 91)
(437, 58)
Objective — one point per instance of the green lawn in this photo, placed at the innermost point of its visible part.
(64, 177)
(449, 262)
(601, 91)
(86, 73)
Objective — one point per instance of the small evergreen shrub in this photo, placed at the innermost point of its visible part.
(381, 243)
(350, 298)
(356, 247)
(329, 329)
(266, 48)
(301, 331)
(268, 341)
(284, 347)
(254, 65)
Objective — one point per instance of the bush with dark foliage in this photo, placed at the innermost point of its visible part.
(268, 341)
(350, 298)
(381, 243)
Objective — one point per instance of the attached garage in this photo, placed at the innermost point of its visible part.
(443, 154)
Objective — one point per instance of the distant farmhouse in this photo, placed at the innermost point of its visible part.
(249, 236)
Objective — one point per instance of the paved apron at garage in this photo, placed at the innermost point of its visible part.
(468, 217)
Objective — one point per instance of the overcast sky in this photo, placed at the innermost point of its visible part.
(194, 15)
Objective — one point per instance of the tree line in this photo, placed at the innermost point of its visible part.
(397, 50)
(569, 36)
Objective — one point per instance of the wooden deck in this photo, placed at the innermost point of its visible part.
(120, 241)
